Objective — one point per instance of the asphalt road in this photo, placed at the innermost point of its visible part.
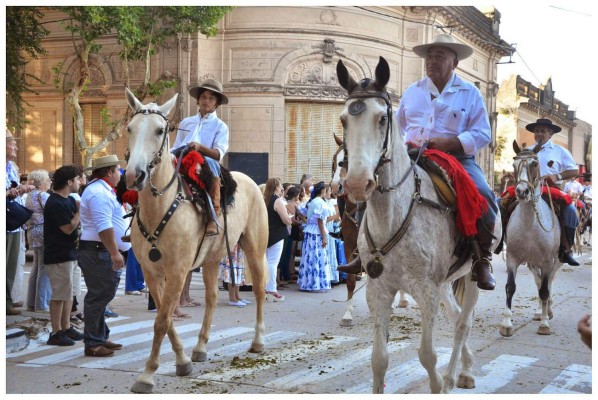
(307, 351)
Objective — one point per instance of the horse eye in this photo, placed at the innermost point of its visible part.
(383, 120)
(340, 164)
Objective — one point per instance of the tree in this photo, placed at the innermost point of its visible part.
(24, 34)
(140, 31)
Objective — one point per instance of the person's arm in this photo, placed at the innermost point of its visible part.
(584, 328)
(323, 232)
(67, 229)
(101, 217)
(280, 208)
(109, 240)
(206, 151)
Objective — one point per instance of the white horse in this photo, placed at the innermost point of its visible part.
(418, 262)
(350, 231)
(168, 251)
(532, 237)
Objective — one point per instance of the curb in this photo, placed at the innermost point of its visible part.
(16, 340)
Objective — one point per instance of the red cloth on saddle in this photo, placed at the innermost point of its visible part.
(188, 164)
(471, 205)
(131, 197)
(554, 193)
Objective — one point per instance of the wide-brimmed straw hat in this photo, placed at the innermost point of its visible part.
(106, 161)
(209, 84)
(544, 122)
(10, 136)
(463, 51)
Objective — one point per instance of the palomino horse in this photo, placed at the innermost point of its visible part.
(404, 246)
(350, 230)
(180, 244)
(532, 237)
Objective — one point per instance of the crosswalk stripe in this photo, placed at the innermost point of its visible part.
(574, 376)
(143, 354)
(404, 374)
(290, 354)
(333, 367)
(498, 373)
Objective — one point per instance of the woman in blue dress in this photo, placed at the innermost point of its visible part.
(314, 269)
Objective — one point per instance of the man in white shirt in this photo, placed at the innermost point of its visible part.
(450, 114)
(100, 252)
(587, 188)
(207, 134)
(573, 186)
(556, 165)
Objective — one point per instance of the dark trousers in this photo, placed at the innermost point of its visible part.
(285, 258)
(134, 277)
(101, 281)
(13, 247)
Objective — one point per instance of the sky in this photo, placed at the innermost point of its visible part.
(554, 39)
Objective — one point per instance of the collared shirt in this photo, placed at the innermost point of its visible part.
(316, 209)
(459, 111)
(587, 191)
(561, 159)
(209, 131)
(12, 175)
(572, 187)
(100, 211)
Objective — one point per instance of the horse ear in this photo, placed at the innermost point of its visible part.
(132, 100)
(344, 78)
(338, 140)
(382, 73)
(169, 105)
(516, 147)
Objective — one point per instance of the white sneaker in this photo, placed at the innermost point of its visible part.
(245, 301)
(236, 303)
(274, 297)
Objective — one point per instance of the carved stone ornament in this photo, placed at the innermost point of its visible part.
(328, 17)
(329, 49)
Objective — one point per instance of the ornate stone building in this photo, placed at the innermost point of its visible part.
(278, 68)
(520, 103)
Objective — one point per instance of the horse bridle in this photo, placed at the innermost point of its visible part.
(531, 184)
(158, 157)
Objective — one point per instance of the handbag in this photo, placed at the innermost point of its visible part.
(16, 215)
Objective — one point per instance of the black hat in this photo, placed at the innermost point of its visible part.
(545, 122)
(587, 177)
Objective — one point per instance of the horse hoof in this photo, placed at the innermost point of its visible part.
(256, 348)
(403, 303)
(537, 317)
(506, 331)
(544, 330)
(184, 369)
(199, 356)
(142, 387)
(466, 382)
(346, 322)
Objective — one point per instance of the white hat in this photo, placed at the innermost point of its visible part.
(106, 161)
(209, 84)
(463, 51)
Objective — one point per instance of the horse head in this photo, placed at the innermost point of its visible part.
(148, 138)
(367, 121)
(527, 173)
(338, 168)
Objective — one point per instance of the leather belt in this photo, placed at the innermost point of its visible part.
(91, 245)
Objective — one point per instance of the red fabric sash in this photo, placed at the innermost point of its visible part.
(554, 193)
(471, 205)
(188, 164)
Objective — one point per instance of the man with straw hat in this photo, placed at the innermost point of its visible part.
(207, 134)
(100, 251)
(449, 113)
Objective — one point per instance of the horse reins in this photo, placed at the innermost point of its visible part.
(532, 186)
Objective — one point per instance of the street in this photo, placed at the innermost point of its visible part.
(307, 351)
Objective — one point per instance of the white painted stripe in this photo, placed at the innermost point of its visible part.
(78, 352)
(143, 354)
(40, 343)
(404, 374)
(333, 367)
(498, 373)
(286, 354)
(575, 376)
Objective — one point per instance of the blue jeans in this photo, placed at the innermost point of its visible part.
(101, 281)
(39, 290)
(134, 277)
(479, 179)
(570, 219)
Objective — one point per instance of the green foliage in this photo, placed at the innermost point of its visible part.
(24, 34)
(501, 145)
(155, 89)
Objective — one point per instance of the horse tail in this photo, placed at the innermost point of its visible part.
(459, 289)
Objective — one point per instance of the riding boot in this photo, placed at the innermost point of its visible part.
(214, 193)
(353, 267)
(481, 269)
(567, 240)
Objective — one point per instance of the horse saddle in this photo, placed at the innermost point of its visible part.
(439, 176)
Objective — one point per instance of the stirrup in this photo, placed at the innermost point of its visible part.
(210, 228)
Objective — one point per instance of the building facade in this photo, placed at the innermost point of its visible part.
(278, 68)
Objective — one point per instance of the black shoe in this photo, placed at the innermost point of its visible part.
(481, 272)
(60, 339)
(567, 258)
(73, 334)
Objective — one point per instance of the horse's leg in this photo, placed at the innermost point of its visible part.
(548, 273)
(379, 304)
(428, 301)
(555, 268)
(538, 279)
(468, 297)
(166, 295)
(347, 319)
(210, 280)
(257, 266)
(506, 326)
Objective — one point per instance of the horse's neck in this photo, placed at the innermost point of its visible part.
(153, 208)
